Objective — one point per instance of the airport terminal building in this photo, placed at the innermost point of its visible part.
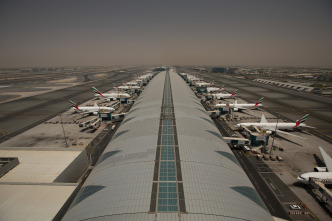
(167, 161)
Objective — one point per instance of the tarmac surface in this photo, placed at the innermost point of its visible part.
(276, 195)
(19, 115)
(289, 104)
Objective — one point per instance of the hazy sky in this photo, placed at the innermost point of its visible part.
(107, 32)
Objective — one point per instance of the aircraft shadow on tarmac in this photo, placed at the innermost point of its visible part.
(93, 130)
(70, 114)
(319, 162)
(300, 184)
(84, 129)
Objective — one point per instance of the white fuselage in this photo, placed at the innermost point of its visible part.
(304, 178)
(213, 89)
(132, 83)
(270, 126)
(240, 106)
(202, 84)
(222, 96)
(193, 79)
(128, 87)
(93, 109)
(114, 95)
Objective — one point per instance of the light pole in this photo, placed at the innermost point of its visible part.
(275, 131)
(63, 129)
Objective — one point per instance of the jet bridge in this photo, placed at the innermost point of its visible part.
(326, 194)
(257, 138)
(237, 140)
(216, 113)
(110, 116)
(201, 89)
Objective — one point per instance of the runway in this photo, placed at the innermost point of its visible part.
(19, 115)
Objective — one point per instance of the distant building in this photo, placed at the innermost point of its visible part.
(306, 76)
(25, 70)
(233, 70)
(200, 69)
(327, 78)
(219, 70)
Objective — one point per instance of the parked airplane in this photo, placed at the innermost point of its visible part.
(111, 96)
(91, 110)
(203, 84)
(132, 83)
(275, 127)
(323, 172)
(213, 89)
(224, 96)
(238, 107)
(126, 87)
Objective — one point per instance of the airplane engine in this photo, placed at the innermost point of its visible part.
(95, 113)
(320, 169)
(235, 109)
(268, 132)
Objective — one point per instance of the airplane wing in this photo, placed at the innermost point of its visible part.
(280, 131)
(307, 127)
(327, 159)
(242, 108)
(283, 132)
(239, 108)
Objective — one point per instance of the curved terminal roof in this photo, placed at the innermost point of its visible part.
(214, 185)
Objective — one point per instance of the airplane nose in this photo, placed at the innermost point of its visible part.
(302, 179)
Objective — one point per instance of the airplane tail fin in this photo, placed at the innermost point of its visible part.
(73, 104)
(263, 119)
(95, 105)
(327, 159)
(235, 102)
(234, 93)
(302, 120)
(260, 101)
(97, 92)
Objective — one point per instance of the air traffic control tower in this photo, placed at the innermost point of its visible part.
(167, 161)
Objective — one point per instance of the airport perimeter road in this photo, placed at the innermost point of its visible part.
(19, 115)
(270, 200)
